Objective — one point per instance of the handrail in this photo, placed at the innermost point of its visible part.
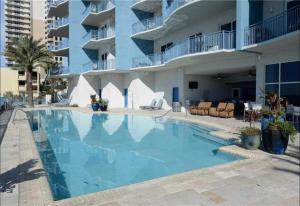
(99, 65)
(275, 26)
(94, 7)
(97, 34)
(147, 24)
(59, 45)
(202, 43)
(58, 23)
(54, 3)
(59, 70)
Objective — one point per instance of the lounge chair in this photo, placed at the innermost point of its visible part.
(157, 105)
(204, 110)
(152, 104)
(228, 112)
(214, 111)
(194, 109)
(62, 102)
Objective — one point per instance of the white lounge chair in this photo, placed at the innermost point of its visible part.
(152, 104)
(155, 105)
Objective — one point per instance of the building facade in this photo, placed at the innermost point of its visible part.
(19, 18)
(131, 52)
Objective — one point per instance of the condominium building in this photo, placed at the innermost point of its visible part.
(131, 52)
(19, 18)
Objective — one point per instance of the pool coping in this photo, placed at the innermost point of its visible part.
(113, 194)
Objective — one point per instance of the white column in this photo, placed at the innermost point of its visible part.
(260, 81)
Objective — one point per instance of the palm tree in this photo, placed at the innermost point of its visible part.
(28, 54)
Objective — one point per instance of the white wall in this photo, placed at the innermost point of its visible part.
(165, 81)
(112, 89)
(208, 88)
(80, 88)
(140, 88)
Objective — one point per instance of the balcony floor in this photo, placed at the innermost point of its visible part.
(95, 19)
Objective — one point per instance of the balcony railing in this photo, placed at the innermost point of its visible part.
(99, 65)
(58, 23)
(99, 34)
(59, 70)
(281, 24)
(173, 5)
(204, 43)
(59, 45)
(53, 3)
(147, 24)
(98, 7)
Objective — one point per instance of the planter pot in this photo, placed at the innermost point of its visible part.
(265, 121)
(103, 108)
(250, 142)
(95, 106)
(277, 143)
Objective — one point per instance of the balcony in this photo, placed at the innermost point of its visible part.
(59, 27)
(147, 5)
(58, 8)
(95, 13)
(276, 26)
(96, 39)
(60, 48)
(205, 44)
(147, 28)
(99, 65)
(59, 70)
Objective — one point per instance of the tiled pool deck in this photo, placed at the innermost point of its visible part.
(262, 179)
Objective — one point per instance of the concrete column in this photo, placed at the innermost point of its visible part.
(260, 81)
(242, 21)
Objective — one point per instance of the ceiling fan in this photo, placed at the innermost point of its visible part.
(251, 74)
(219, 76)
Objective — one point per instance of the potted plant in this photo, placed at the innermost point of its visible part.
(279, 134)
(103, 104)
(94, 103)
(276, 132)
(250, 136)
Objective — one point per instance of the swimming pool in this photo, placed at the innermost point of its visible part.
(84, 153)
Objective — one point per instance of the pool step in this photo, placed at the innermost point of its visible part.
(208, 137)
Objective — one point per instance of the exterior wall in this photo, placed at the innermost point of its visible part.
(141, 89)
(112, 90)
(125, 17)
(78, 56)
(271, 8)
(208, 88)
(38, 21)
(165, 81)
(210, 25)
(271, 58)
(2, 35)
(80, 88)
(8, 81)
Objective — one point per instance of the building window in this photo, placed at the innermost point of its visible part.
(284, 79)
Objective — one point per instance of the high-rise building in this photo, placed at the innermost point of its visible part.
(18, 18)
(131, 52)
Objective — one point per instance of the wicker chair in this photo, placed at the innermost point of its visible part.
(195, 109)
(205, 109)
(214, 111)
(228, 112)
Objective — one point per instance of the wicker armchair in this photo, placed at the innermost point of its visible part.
(228, 112)
(214, 111)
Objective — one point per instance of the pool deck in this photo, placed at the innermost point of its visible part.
(262, 179)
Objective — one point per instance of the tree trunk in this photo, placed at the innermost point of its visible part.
(29, 87)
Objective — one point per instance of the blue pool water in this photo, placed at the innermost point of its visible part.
(84, 153)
